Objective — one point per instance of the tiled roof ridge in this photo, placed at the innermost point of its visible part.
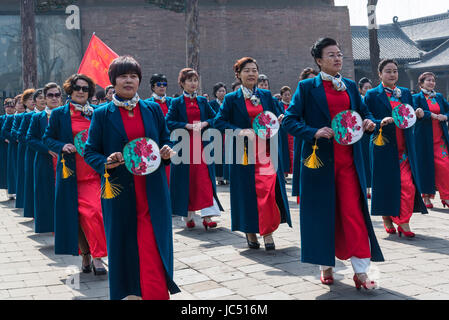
(406, 37)
(433, 53)
(435, 17)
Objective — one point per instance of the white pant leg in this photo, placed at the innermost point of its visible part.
(360, 265)
(212, 211)
(190, 215)
(322, 268)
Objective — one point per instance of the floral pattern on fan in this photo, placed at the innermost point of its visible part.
(80, 141)
(266, 124)
(142, 156)
(347, 126)
(404, 116)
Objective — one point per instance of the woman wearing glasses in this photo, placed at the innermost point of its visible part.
(158, 84)
(44, 162)
(335, 220)
(192, 185)
(78, 218)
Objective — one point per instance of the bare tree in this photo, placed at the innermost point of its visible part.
(29, 62)
(374, 49)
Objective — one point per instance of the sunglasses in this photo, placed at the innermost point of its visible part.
(161, 84)
(53, 95)
(78, 88)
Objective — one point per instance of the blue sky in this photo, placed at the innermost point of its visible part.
(387, 9)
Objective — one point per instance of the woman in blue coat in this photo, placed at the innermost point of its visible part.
(192, 184)
(432, 138)
(9, 109)
(138, 219)
(20, 166)
(221, 169)
(28, 186)
(335, 220)
(45, 161)
(12, 149)
(365, 85)
(259, 202)
(394, 172)
(79, 226)
(307, 73)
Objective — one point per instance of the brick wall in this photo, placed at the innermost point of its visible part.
(278, 36)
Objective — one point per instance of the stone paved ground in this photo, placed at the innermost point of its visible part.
(218, 265)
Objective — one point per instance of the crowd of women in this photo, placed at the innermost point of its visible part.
(97, 208)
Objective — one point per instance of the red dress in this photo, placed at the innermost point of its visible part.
(440, 153)
(265, 181)
(351, 234)
(201, 194)
(164, 109)
(290, 144)
(88, 187)
(407, 186)
(153, 284)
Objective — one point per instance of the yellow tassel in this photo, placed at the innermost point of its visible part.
(109, 190)
(245, 158)
(379, 139)
(313, 162)
(66, 172)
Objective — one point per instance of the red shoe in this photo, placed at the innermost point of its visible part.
(210, 224)
(444, 204)
(430, 206)
(408, 234)
(368, 195)
(328, 280)
(390, 230)
(190, 224)
(367, 284)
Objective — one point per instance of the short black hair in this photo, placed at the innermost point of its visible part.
(100, 95)
(37, 93)
(384, 62)
(363, 81)
(51, 85)
(157, 77)
(71, 82)
(217, 87)
(124, 65)
(109, 87)
(318, 47)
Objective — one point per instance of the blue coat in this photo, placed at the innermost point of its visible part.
(283, 142)
(168, 100)
(3, 157)
(12, 153)
(307, 113)
(424, 141)
(21, 146)
(244, 211)
(297, 161)
(57, 134)
(385, 171)
(106, 136)
(179, 173)
(221, 170)
(28, 181)
(44, 176)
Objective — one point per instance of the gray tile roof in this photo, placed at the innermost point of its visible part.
(426, 28)
(394, 44)
(437, 58)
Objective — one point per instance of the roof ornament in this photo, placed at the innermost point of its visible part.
(395, 19)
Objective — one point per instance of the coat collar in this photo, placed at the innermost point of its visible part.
(383, 97)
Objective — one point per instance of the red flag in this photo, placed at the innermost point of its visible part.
(96, 61)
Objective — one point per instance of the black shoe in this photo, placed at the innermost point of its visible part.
(86, 268)
(251, 244)
(98, 271)
(269, 245)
